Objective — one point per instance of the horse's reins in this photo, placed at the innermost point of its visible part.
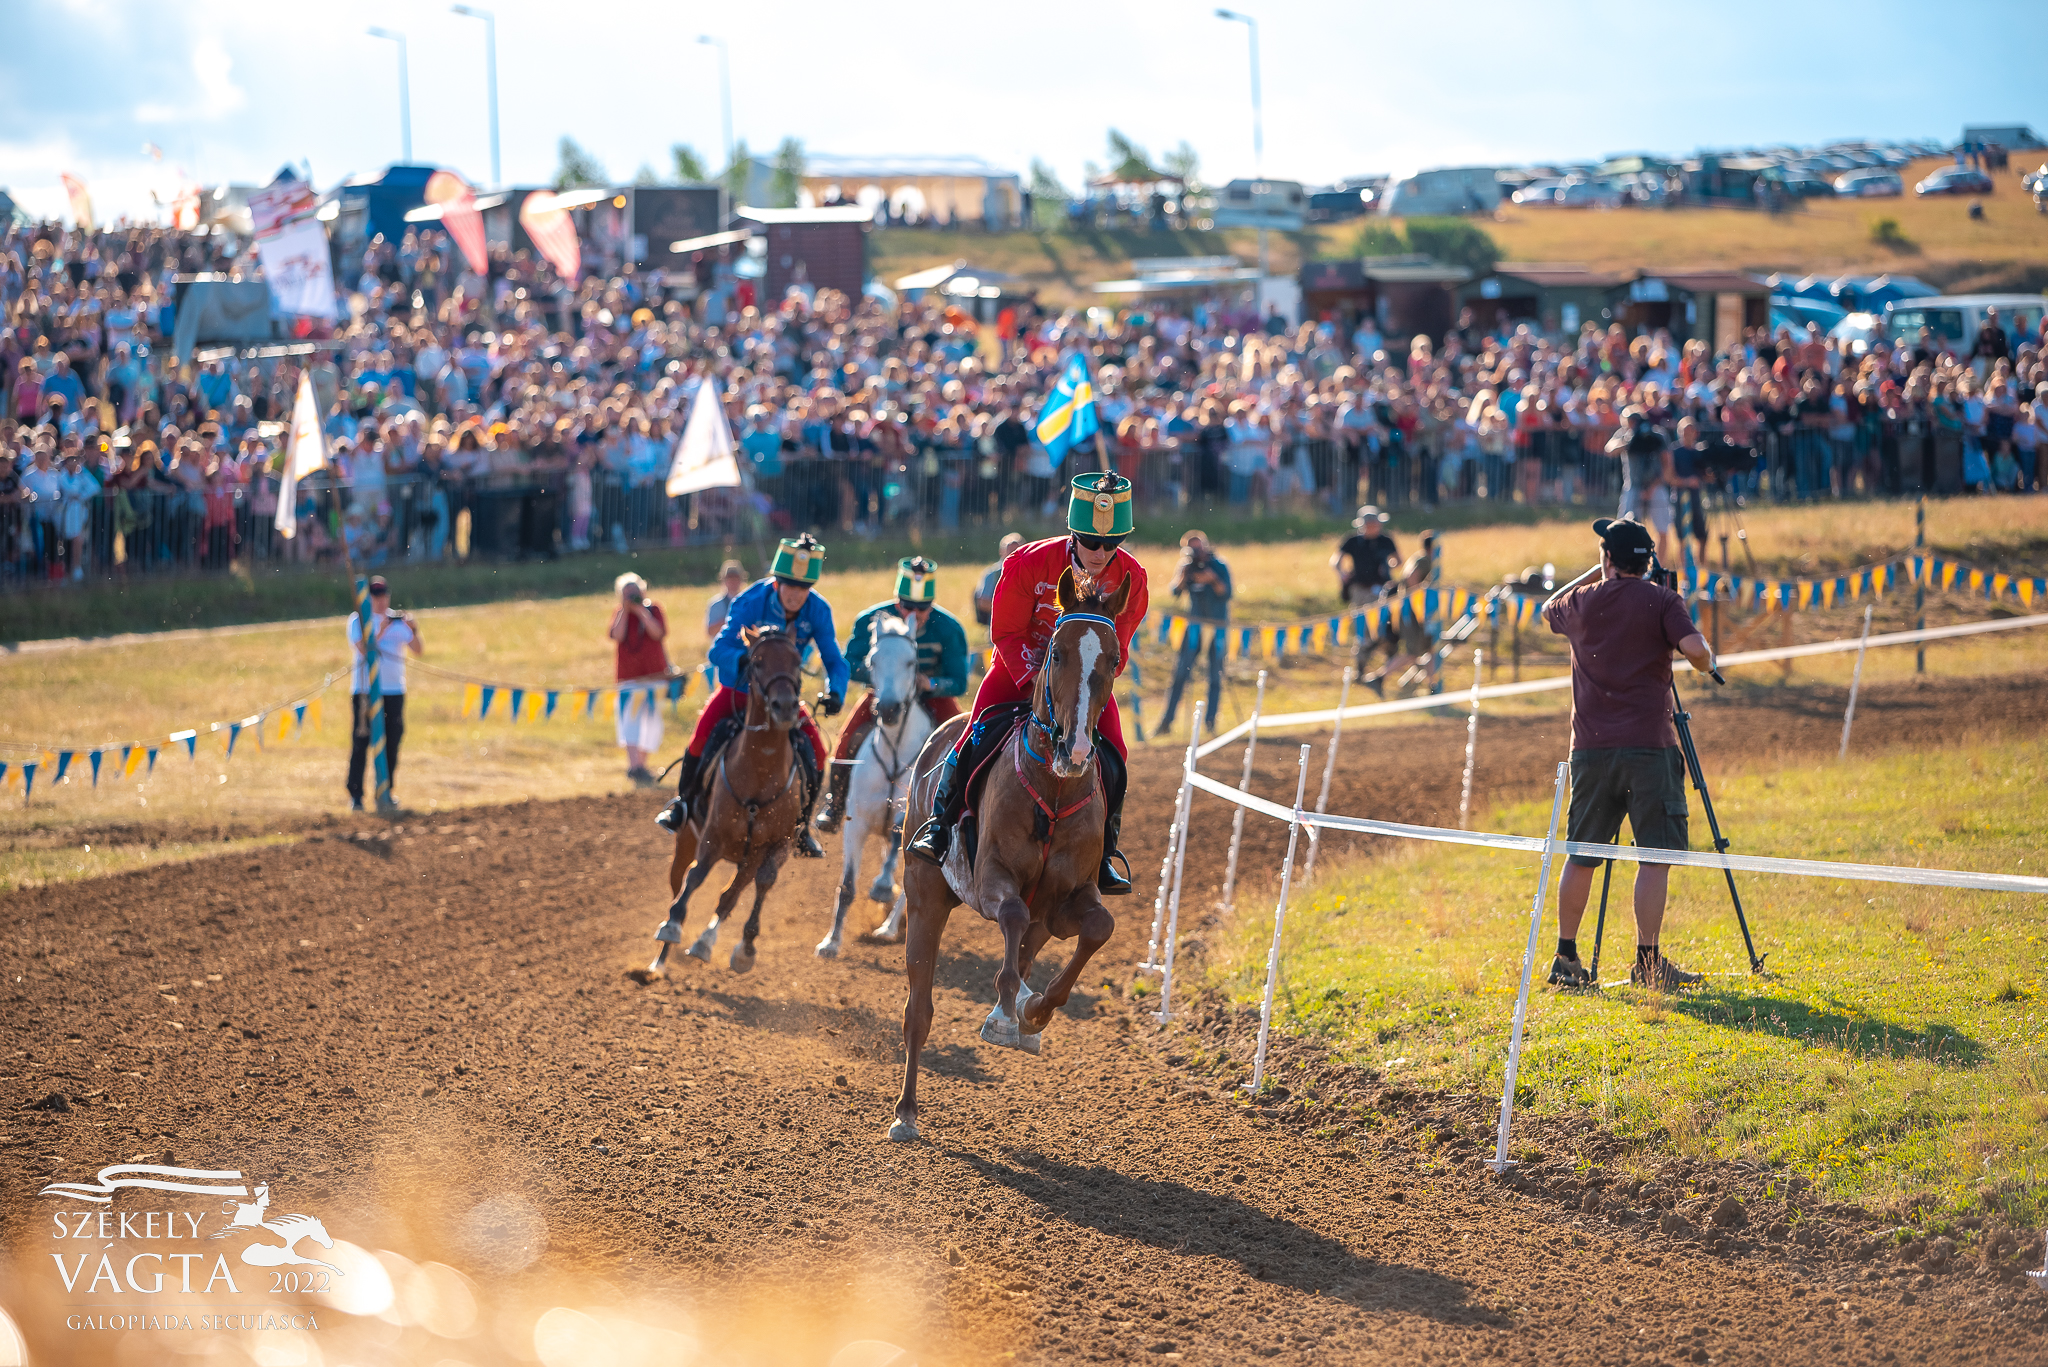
(753, 809)
(1053, 816)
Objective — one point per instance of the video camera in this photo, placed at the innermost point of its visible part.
(1658, 575)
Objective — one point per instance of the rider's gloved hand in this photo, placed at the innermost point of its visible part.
(830, 703)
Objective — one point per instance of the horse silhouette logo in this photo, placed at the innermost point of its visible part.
(249, 1215)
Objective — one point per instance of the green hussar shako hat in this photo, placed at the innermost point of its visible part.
(1101, 505)
(800, 561)
(917, 580)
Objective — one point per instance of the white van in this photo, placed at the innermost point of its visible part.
(1445, 190)
(1959, 317)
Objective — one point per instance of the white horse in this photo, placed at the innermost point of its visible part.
(881, 777)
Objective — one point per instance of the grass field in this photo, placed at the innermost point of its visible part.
(1900, 1046)
(2005, 250)
(147, 687)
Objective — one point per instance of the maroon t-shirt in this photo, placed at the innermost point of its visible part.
(1622, 632)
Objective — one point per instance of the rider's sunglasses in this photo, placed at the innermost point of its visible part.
(907, 608)
(1097, 543)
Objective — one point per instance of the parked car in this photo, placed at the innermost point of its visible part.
(1957, 318)
(1335, 206)
(1869, 184)
(1955, 180)
(1537, 192)
(1588, 194)
(1795, 313)
(1860, 328)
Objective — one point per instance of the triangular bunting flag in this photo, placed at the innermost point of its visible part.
(190, 740)
(94, 756)
(484, 701)
(518, 702)
(472, 694)
(553, 696)
(28, 781)
(63, 765)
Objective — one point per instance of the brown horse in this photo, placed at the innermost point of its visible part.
(1040, 820)
(756, 802)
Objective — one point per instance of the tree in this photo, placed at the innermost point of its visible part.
(1049, 198)
(690, 167)
(645, 175)
(1454, 242)
(1379, 239)
(789, 174)
(1183, 162)
(1127, 160)
(740, 174)
(578, 167)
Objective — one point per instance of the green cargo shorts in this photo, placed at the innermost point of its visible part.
(1645, 785)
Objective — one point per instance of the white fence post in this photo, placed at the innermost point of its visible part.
(1315, 833)
(1180, 860)
(1501, 1163)
(1244, 785)
(1855, 682)
(1471, 748)
(1176, 840)
(1279, 921)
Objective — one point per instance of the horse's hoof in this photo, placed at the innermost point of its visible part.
(645, 976)
(742, 959)
(882, 890)
(827, 949)
(701, 951)
(903, 1131)
(669, 932)
(1002, 1031)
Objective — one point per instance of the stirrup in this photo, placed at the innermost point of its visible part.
(671, 817)
(807, 844)
(930, 842)
(1108, 881)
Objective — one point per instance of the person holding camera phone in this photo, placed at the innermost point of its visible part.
(394, 633)
(638, 629)
(1205, 579)
(1625, 757)
(1644, 457)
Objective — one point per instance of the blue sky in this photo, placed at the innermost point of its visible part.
(232, 89)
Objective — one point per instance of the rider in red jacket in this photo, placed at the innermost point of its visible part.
(1026, 605)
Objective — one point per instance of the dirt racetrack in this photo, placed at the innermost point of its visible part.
(425, 1034)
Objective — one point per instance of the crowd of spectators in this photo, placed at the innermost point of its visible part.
(507, 415)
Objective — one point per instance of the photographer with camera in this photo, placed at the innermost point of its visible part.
(394, 633)
(1625, 757)
(1205, 579)
(1643, 451)
(637, 631)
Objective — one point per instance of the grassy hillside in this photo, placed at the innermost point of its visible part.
(2008, 249)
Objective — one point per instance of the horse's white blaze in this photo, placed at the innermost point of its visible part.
(1084, 735)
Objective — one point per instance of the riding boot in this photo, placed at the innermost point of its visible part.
(835, 797)
(677, 811)
(1108, 881)
(932, 838)
(807, 844)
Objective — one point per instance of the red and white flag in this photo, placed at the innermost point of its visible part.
(554, 234)
(460, 216)
(81, 201)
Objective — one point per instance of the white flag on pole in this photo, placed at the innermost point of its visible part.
(706, 457)
(305, 451)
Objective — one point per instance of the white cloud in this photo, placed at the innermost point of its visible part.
(214, 70)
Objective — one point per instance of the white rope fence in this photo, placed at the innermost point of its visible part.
(1285, 720)
(1172, 871)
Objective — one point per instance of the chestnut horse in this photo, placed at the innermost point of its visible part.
(756, 801)
(1040, 818)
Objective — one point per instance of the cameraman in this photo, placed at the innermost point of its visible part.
(394, 633)
(1625, 757)
(1205, 579)
(1643, 450)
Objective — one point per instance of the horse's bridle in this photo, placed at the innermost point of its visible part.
(1048, 725)
(755, 683)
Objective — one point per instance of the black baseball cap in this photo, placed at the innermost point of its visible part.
(1624, 537)
(377, 584)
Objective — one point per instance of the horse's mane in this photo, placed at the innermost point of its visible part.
(889, 624)
(1090, 596)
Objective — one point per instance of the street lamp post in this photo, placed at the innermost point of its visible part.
(404, 93)
(490, 76)
(1258, 147)
(724, 87)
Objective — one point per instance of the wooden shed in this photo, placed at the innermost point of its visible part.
(828, 247)
(1713, 305)
(1552, 296)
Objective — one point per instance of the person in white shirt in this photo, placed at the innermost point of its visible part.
(395, 633)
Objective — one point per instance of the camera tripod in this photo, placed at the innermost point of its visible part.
(1682, 719)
